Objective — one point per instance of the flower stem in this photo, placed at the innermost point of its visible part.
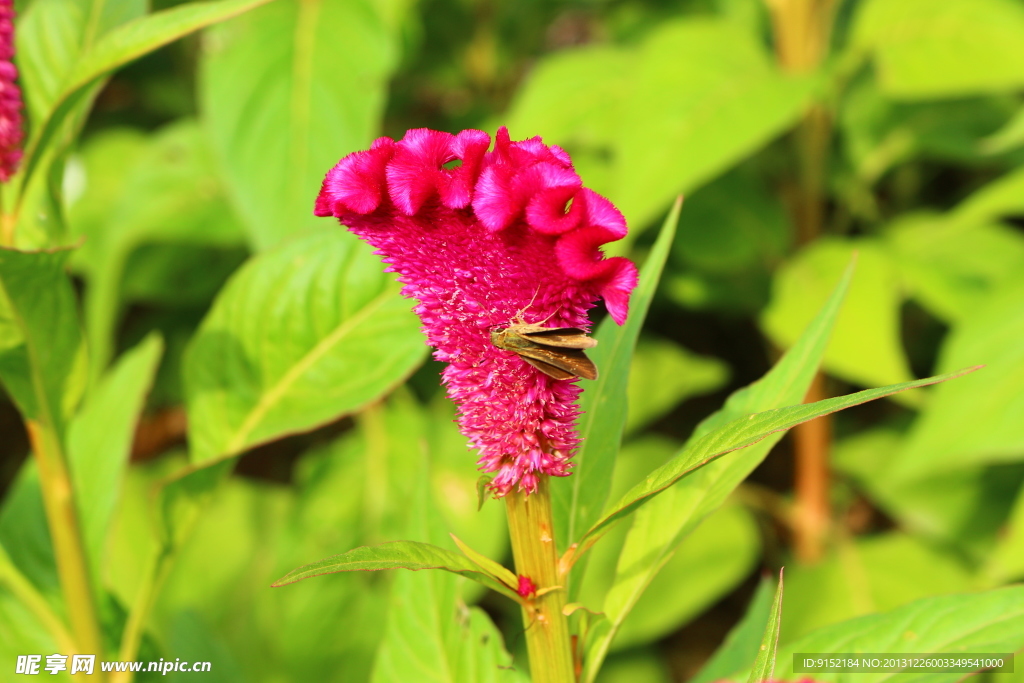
(65, 530)
(533, 546)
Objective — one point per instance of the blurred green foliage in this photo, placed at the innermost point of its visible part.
(176, 179)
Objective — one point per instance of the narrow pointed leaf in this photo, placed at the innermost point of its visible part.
(578, 500)
(494, 569)
(764, 663)
(740, 648)
(411, 555)
(742, 433)
(100, 440)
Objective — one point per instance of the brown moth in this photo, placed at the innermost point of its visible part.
(555, 351)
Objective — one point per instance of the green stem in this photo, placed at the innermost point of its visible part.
(144, 599)
(62, 518)
(23, 590)
(533, 546)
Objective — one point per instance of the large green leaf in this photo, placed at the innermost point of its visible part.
(991, 621)
(41, 350)
(288, 90)
(162, 189)
(115, 48)
(946, 49)
(577, 500)
(866, 348)
(99, 442)
(647, 124)
(978, 420)
(300, 336)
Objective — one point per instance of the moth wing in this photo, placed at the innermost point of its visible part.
(562, 337)
(566, 362)
(548, 369)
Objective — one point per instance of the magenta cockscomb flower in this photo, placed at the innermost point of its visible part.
(11, 132)
(478, 238)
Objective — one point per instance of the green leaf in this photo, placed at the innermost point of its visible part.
(51, 37)
(1006, 561)
(116, 48)
(741, 646)
(286, 92)
(577, 500)
(300, 336)
(1007, 138)
(866, 348)
(740, 434)
(696, 97)
(660, 527)
(707, 565)
(991, 621)
(950, 49)
(431, 635)
(25, 533)
(975, 421)
(99, 442)
(412, 555)
(496, 570)
(868, 574)
(764, 664)
(41, 350)
(162, 189)
(953, 267)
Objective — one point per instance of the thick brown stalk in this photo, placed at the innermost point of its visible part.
(802, 30)
(811, 519)
(533, 547)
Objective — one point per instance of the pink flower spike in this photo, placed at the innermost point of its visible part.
(11, 130)
(479, 238)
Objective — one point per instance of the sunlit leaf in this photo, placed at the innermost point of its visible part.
(286, 91)
(299, 336)
(953, 48)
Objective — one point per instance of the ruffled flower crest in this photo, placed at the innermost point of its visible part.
(480, 238)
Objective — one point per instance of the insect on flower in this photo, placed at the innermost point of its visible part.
(555, 351)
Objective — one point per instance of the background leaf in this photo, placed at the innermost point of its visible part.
(300, 336)
(991, 621)
(41, 350)
(100, 440)
(958, 48)
(328, 63)
(866, 348)
(698, 95)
